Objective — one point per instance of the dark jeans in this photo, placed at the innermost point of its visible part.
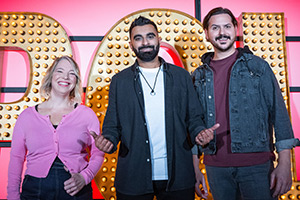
(52, 187)
(161, 193)
(235, 183)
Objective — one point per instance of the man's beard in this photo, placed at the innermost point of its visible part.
(220, 48)
(146, 56)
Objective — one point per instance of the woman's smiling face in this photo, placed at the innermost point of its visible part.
(64, 78)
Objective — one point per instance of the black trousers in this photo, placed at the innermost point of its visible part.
(161, 193)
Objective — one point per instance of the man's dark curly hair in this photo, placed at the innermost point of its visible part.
(141, 21)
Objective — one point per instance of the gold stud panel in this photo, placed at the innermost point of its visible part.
(264, 33)
(43, 39)
(179, 30)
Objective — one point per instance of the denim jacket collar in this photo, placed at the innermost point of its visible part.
(242, 54)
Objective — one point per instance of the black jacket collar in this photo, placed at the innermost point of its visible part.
(135, 66)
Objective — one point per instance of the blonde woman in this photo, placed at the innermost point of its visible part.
(53, 137)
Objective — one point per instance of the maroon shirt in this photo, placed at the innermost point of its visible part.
(224, 157)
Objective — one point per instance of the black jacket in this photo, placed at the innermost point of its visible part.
(125, 122)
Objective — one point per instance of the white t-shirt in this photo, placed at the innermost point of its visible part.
(155, 118)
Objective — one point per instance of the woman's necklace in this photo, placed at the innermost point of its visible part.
(152, 93)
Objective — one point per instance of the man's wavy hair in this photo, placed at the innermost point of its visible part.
(75, 94)
(217, 11)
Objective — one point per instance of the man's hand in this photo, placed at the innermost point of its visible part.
(200, 179)
(205, 136)
(74, 184)
(281, 177)
(102, 143)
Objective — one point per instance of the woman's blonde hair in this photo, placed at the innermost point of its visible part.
(75, 94)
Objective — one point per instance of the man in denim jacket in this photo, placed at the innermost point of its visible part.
(239, 91)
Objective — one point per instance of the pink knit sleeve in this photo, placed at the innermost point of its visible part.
(17, 158)
(97, 156)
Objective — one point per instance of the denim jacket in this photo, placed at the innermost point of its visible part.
(256, 106)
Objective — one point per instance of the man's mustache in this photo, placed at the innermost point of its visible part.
(222, 36)
(145, 47)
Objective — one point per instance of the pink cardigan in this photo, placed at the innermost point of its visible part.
(35, 137)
